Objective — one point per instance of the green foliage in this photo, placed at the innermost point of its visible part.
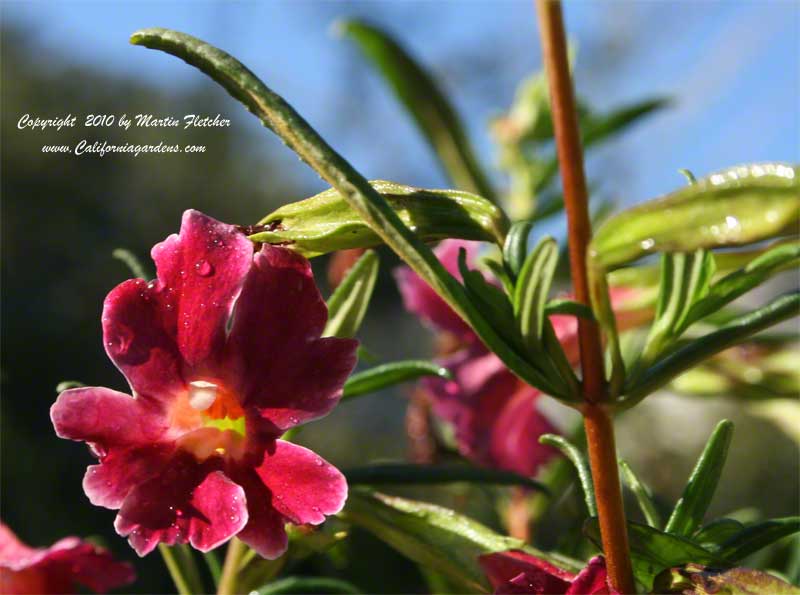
(425, 102)
(410, 474)
(348, 304)
(383, 376)
(581, 465)
(326, 222)
(733, 207)
(515, 249)
(687, 516)
(642, 493)
(435, 537)
(757, 536)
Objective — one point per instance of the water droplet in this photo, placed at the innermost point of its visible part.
(204, 268)
(319, 462)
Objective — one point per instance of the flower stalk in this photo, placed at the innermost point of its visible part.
(230, 568)
(597, 422)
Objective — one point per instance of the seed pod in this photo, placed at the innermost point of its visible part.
(325, 222)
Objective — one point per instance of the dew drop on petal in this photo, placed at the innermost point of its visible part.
(204, 268)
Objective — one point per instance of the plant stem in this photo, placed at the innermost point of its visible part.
(599, 429)
(174, 570)
(230, 568)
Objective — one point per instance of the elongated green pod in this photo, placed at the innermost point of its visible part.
(733, 207)
(326, 222)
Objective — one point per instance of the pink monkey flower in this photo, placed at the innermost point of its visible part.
(223, 354)
(518, 573)
(59, 568)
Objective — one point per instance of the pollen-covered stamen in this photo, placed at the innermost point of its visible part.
(202, 394)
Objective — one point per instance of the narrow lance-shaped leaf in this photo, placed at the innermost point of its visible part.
(737, 206)
(715, 533)
(515, 249)
(348, 304)
(380, 377)
(434, 536)
(577, 459)
(642, 494)
(533, 287)
(282, 119)
(424, 100)
(652, 550)
(732, 333)
(326, 222)
(410, 474)
(688, 513)
(756, 537)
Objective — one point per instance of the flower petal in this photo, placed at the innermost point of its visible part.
(106, 418)
(514, 443)
(503, 569)
(122, 470)
(200, 274)
(592, 580)
(275, 354)
(187, 501)
(420, 299)
(265, 530)
(304, 487)
(138, 341)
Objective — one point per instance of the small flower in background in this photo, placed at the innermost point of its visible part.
(518, 573)
(495, 416)
(223, 355)
(59, 568)
(493, 413)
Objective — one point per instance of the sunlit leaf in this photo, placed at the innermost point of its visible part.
(383, 376)
(715, 533)
(435, 536)
(642, 493)
(653, 551)
(757, 536)
(348, 304)
(515, 249)
(733, 207)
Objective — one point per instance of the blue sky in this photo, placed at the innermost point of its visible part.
(732, 68)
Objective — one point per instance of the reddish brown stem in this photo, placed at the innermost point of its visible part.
(599, 429)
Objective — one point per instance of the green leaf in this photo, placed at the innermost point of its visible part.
(685, 278)
(327, 222)
(380, 377)
(410, 474)
(737, 206)
(348, 304)
(435, 537)
(68, 384)
(699, 350)
(577, 459)
(642, 493)
(532, 289)
(652, 550)
(421, 96)
(756, 537)
(282, 119)
(515, 249)
(715, 533)
(696, 579)
(132, 262)
(568, 307)
(688, 513)
(597, 128)
(307, 585)
(737, 283)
